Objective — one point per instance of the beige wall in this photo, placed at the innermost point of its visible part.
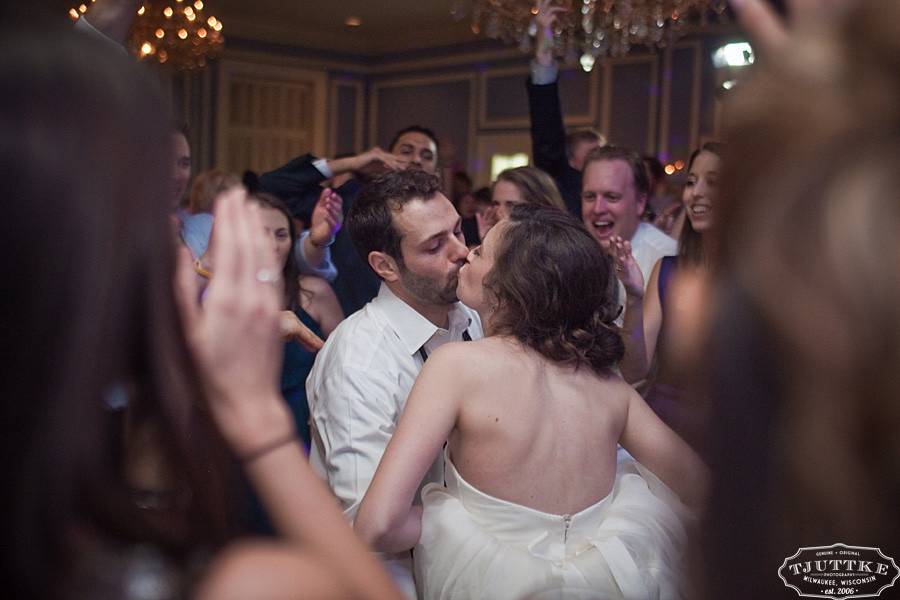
(662, 103)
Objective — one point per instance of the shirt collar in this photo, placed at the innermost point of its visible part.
(411, 327)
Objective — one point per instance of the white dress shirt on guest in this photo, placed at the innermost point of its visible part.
(358, 387)
(648, 245)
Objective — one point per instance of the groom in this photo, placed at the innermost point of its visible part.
(410, 235)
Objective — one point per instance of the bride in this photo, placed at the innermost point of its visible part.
(535, 499)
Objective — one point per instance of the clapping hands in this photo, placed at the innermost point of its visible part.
(327, 218)
(627, 269)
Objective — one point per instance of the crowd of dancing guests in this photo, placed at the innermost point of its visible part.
(360, 377)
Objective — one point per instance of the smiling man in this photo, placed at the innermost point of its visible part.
(416, 148)
(410, 236)
(613, 197)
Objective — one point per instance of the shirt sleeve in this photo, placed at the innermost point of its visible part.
(322, 165)
(326, 270)
(296, 183)
(354, 414)
(548, 133)
(543, 74)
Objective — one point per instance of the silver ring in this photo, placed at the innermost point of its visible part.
(267, 276)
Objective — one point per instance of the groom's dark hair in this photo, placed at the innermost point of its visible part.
(370, 221)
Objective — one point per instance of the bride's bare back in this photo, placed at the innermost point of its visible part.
(537, 433)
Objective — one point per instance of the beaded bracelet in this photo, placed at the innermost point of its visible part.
(267, 448)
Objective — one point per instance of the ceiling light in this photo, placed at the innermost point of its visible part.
(738, 54)
(597, 28)
(176, 34)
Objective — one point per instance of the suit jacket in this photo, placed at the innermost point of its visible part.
(548, 143)
(297, 183)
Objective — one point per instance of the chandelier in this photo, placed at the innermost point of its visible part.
(173, 32)
(593, 28)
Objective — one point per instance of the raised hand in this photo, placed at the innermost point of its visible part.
(327, 218)
(235, 336)
(627, 269)
(375, 160)
(235, 339)
(546, 16)
(489, 217)
(770, 32)
(665, 221)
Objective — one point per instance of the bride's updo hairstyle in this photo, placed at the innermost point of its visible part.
(555, 289)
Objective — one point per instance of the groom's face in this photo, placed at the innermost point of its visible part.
(432, 249)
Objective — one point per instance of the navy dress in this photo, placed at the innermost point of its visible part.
(666, 394)
(298, 363)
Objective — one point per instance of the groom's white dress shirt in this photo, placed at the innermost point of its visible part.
(358, 387)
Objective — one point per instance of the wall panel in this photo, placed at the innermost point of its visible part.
(443, 103)
(268, 115)
(631, 91)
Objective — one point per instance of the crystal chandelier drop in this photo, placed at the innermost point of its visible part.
(594, 28)
(172, 32)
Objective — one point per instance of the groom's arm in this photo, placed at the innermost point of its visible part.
(354, 413)
(387, 519)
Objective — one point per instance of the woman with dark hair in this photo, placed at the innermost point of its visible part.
(123, 416)
(532, 415)
(649, 315)
(308, 299)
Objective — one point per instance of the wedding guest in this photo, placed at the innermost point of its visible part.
(523, 185)
(555, 152)
(93, 323)
(310, 299)
(650, 309)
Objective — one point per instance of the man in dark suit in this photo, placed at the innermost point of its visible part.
(298, 184)
(560, 155)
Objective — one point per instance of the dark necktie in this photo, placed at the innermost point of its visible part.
(465, 337)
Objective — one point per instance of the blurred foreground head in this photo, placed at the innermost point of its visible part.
(88, 309)
(805, 332)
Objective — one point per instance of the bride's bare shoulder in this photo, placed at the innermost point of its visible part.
(612, 384)
(479, 355)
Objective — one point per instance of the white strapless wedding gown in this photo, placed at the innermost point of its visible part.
(628, 545)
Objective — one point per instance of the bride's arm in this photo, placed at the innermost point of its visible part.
(653, 444)
(387, 519)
